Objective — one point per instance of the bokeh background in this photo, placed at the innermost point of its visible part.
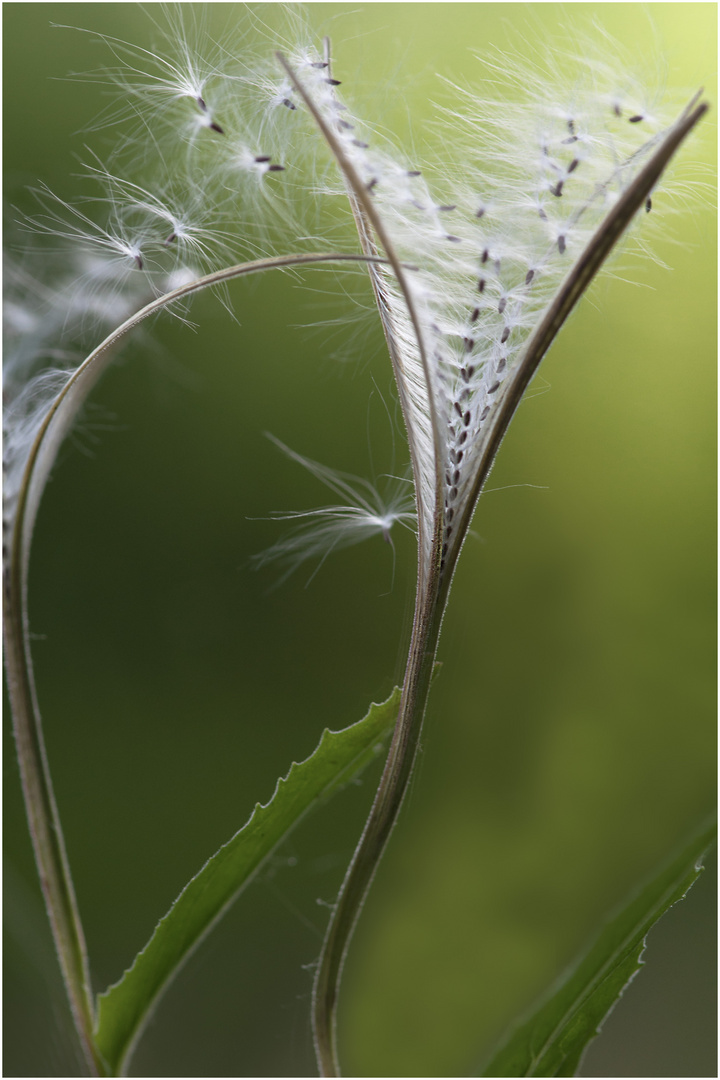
(569, 741)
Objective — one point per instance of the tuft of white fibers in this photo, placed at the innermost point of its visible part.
(365, 513)
(485, 240)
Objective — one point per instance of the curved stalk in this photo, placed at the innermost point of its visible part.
(429, 610)
(40, 804)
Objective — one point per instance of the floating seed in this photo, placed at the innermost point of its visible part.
(289, 103)
(494, 387)
(529, 276)
(445, 209)
(276, 168)
(454, 239)
(561, 244)
(469, 344)
(333, 82)
(466, 418)
(635, 119)
(475, 314)
(558, 189)
(648, 205)
(484, 413)
(481, 285)
(502, 305)
(414, 172)
(505, 335)
(262, 158)
(573, 165)
(216, 127)
(457, 408)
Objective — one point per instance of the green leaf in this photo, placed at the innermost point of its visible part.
(125, 1007)
(552, 1040)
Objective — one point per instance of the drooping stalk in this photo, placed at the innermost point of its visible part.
(40, 804)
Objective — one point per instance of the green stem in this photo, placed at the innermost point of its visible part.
(429, 610)
(44, 821)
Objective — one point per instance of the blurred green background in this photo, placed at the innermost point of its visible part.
(570, 738)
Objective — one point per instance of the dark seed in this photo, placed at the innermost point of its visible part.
(529, 276)
(501, 364)
(485, 256)
(469, 344)
(561, 244)
(454, 239)
(449, 514)
(362, 145)
(457, 408)
(289, 103)
(502, 305)
(171, 238)
(480, 212)
(493, 388)
(481, 285)
(635, 119)
(456, 476)
(276, 168)
(446, 208)
(475, 314)
(201, 103)
(466, 418)
(558, 189)
(320, 64)
(414, 172)
(505, 335)
(470, 371)
(648, 205)
(573, 165)
(372, 183)
(333, 82)
(261, 158)
(484, 413)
